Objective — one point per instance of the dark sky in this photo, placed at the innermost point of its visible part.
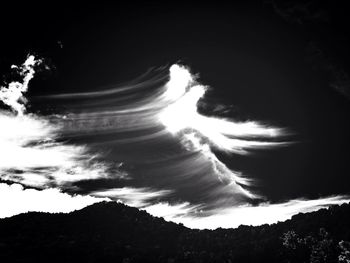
(285, 64)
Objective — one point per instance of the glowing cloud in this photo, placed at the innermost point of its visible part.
(200, 133)
(136, 197)
(153, 127)
(12, 95)
(265, 213)
(226, 135)
(15, 200)
(30, 153)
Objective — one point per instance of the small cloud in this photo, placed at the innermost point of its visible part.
(172, 212)
(16, 200)
(12, 95)
(136, 197)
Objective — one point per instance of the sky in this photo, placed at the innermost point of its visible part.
(210, 115)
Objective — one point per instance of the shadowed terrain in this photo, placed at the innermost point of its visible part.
(114, 232)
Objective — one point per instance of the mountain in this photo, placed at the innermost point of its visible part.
(113, 232)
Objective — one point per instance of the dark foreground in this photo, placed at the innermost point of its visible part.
(113, 232)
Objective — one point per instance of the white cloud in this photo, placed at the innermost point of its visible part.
(28, 147)
(12, 95)
(168, 110)
(30, 153)
(201, 133)
(136, 197)
(174, 212)
(15, 200)
(226, 135)
(265, 213)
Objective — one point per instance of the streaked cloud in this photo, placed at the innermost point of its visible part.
(265, 213)
(30, 152)
(136, 197)
(150, 132)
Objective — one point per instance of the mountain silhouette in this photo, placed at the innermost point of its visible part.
(114, 232)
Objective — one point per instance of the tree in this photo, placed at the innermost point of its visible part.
(344, 256)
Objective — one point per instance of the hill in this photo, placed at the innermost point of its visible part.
(113, 232)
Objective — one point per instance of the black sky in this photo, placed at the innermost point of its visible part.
(284, 64)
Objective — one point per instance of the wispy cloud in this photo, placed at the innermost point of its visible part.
(30, 153)
(163, 111)
(265, 213)
(136, 197)
(154, 127)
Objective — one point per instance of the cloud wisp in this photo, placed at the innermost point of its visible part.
(232, 217)
(156, 125)
(145, 144)
(30, 152)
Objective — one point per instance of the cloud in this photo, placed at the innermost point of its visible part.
(12, 95)
(154, 127)
(30, 155)
(30, 152)
(265, 213)
(136, 197)
(15, 200)
(155, 120)
(174, 212)
(20, 200)
(200, 133)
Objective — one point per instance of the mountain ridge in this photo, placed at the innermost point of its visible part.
(114, 232)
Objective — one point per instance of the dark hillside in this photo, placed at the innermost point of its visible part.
(113, 232)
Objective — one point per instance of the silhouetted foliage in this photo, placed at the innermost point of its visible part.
(113, 232)
(344, 256)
